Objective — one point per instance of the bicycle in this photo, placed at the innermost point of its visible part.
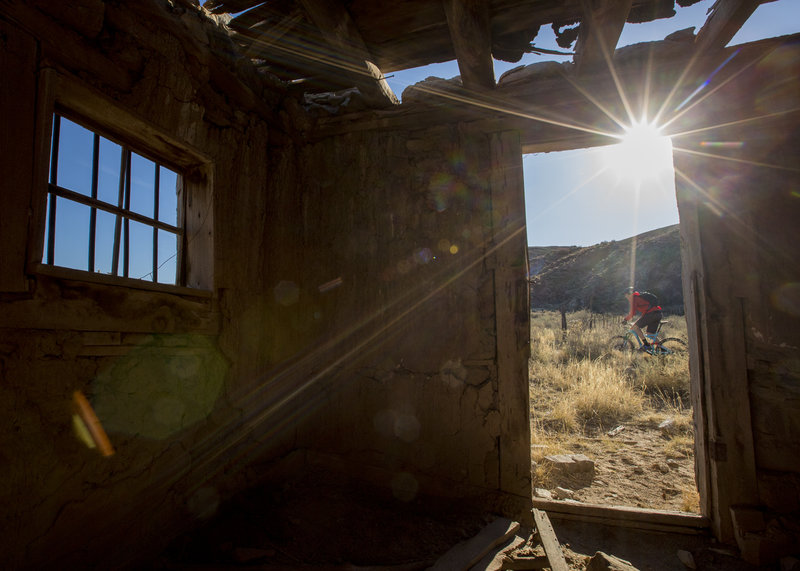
(658, 346)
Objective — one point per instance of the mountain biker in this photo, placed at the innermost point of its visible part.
(646, 304)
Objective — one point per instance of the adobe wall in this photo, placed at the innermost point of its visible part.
(422, 230)
(368, 310)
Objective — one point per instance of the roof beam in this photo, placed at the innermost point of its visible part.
(349, 51)
(601, 27)
(726, 18)
(471, 35)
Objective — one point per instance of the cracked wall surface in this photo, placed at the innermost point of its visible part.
(353, 316)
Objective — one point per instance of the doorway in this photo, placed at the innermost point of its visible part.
(608, 428)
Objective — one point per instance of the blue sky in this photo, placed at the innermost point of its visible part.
(567, 201)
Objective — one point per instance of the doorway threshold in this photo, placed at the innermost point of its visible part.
(622, 516)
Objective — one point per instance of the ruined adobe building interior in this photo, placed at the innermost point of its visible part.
(352, 271)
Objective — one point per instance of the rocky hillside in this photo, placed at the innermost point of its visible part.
(596, 276)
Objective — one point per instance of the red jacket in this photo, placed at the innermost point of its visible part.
(640, 305)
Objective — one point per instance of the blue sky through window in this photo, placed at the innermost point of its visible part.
(72, 219)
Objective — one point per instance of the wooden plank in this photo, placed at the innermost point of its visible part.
(495, 559)
(600, 30)
(636, 525)
(549, 541)
(348, 47)
(731, 450)
(468, 553)
(17, 115)
(726, 18)
(512, 339)
(470, 33)
(622, 515)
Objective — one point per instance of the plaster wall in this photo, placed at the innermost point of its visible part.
(365, 300)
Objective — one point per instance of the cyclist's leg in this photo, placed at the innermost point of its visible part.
(650, 321)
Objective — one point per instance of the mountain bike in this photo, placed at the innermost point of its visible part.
(658, 345)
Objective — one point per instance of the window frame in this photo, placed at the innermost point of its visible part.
(122, 210)
(69, 98)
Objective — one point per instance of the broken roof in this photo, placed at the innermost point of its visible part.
(329, 45)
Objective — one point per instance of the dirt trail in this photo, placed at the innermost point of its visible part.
(640, 466)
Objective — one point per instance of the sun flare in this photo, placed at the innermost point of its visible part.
(642, 154)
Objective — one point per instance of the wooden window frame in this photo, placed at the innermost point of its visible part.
(68, 97)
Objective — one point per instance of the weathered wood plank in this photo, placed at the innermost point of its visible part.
(622, 514)
(511, 307)
(549, 541)
(468, 21)
(600, 30)
(726, 17)
(495, 559)
(17, 112)
(468, 553)
(348, 47)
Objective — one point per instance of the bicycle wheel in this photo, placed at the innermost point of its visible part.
(674, 345)
(621, 343)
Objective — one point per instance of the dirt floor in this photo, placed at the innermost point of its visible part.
(328, 522)
(638, 466)
(325, 521)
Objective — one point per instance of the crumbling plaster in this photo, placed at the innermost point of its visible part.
(353, 313)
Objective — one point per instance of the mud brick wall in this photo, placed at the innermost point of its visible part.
(364, 302)
(418, 230)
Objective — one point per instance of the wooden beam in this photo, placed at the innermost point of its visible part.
(470, 33)
(349, 52)
(619, 516)
(547, 536)
(726, 18)
(601, 27)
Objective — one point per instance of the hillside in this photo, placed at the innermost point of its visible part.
(594, 277)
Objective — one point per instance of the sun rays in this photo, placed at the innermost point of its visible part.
(642, 154)
(640, 142)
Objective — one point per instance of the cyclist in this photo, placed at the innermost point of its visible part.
(646, 304)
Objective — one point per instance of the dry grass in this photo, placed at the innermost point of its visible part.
(580, 387)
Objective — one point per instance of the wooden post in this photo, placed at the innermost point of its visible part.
(512, 313)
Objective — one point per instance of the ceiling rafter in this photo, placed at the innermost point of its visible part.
(725, 19)
(471, 36)
(600, 29)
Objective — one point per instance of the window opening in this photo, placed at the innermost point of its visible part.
(111, 210)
